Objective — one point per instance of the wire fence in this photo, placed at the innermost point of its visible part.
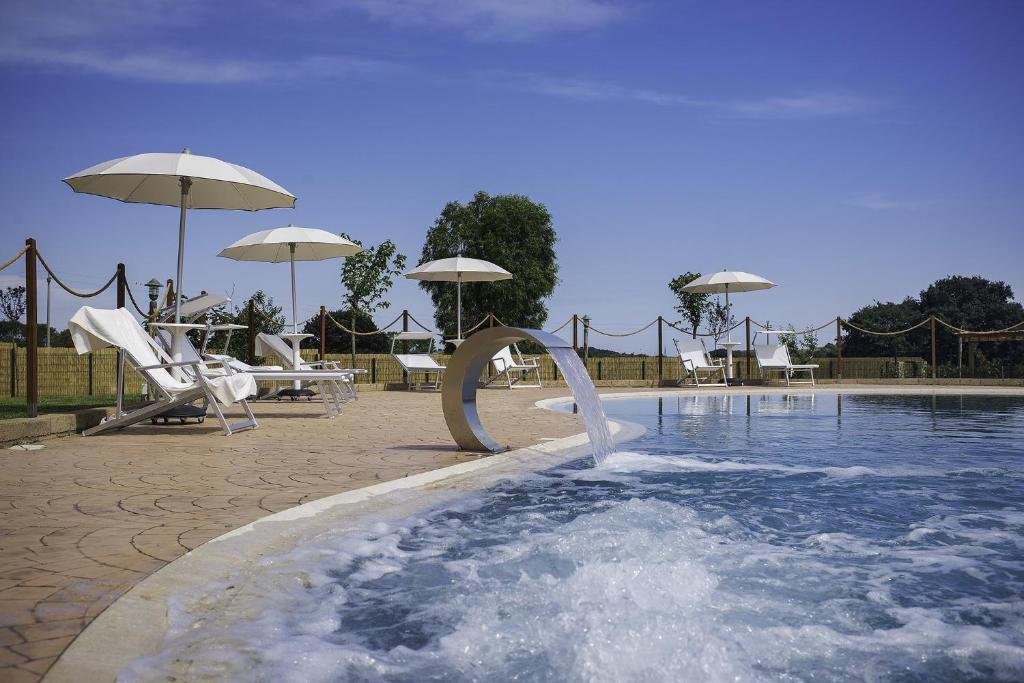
(30, 371)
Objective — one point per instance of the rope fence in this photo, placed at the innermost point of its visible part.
(624, 368)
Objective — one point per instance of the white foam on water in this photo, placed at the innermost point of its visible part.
(638, 590)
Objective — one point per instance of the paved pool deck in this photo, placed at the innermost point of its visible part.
(84, 520)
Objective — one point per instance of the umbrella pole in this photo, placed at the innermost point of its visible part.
(728, 313)
(458, 306)
(186, 185)
(295, 313)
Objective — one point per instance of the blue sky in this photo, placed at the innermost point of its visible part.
(849, 151)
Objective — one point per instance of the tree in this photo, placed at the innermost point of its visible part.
(719, 319)
(269, 319)
(692, 306)
(887, 317)
(12, 305)
(509, 230)
(971, 303)
(367, 277)
(336, 342)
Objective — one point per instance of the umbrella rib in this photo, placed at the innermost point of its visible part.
(128, 197)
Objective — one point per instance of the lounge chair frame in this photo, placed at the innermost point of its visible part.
(510, 364)
(418, 362)
(768, 361)
(344, 384)
(694, 361)
(200, 390)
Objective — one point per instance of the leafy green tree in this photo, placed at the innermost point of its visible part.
(509, 230)
(12, 305)
(338, 341)
(720, 319)
(269, 319)
(367, 277)
(887, 317)
(970, 303)
(692, 305)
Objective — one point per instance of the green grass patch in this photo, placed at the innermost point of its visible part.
(16, 407)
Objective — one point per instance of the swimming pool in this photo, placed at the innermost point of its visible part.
(792, 537)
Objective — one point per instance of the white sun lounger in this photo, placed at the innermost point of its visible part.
(94, 328)
(693, 360)
(325, 381)
(776, 359)
(272, 345)
(418, 362)
(514, 369)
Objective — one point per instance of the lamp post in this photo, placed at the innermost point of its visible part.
(154, 293)
(586, 339)
(48, 281)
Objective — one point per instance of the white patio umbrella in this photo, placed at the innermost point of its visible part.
(728, 281)
(185, 180)
(291, 244)
(458, 269)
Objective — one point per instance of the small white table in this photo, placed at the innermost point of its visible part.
(296, 338)
(177, 331)
(729, 346)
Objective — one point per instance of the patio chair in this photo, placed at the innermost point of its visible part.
(693, 360)
(776, 359)
(94, 328)
(514, 369)
(325, 381)
(418, 362)
(273, 345)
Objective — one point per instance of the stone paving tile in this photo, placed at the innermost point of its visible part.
(85, 519)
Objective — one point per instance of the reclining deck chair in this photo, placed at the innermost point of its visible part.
(325, 381)
(693, 360)
(514, 368)
(344, 381)
(772, 358)
(418, 362)
(94, 328)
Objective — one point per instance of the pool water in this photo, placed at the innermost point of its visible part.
(803, 537)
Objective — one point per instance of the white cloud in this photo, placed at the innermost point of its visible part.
(805, 106)
(129, 39)
(509, 20)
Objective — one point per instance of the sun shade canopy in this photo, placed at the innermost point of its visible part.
(153, 178)
(275, 246)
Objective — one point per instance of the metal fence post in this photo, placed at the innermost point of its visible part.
(31, 331)
(250, 345)
(839, 348)
(934, 368)
(323, 333)
(661, 356)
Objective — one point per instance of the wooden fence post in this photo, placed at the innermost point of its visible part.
(748, 347)
(14, 370)
(490, 320)
(575, 333)
(839, 348)
(122, 285)
(250, 342)
(934, 369)
(31, 331)
(661, 356)
(323, 333)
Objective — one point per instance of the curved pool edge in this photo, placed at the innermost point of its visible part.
(136, 624)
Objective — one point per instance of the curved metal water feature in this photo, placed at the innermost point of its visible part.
(458, 395)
